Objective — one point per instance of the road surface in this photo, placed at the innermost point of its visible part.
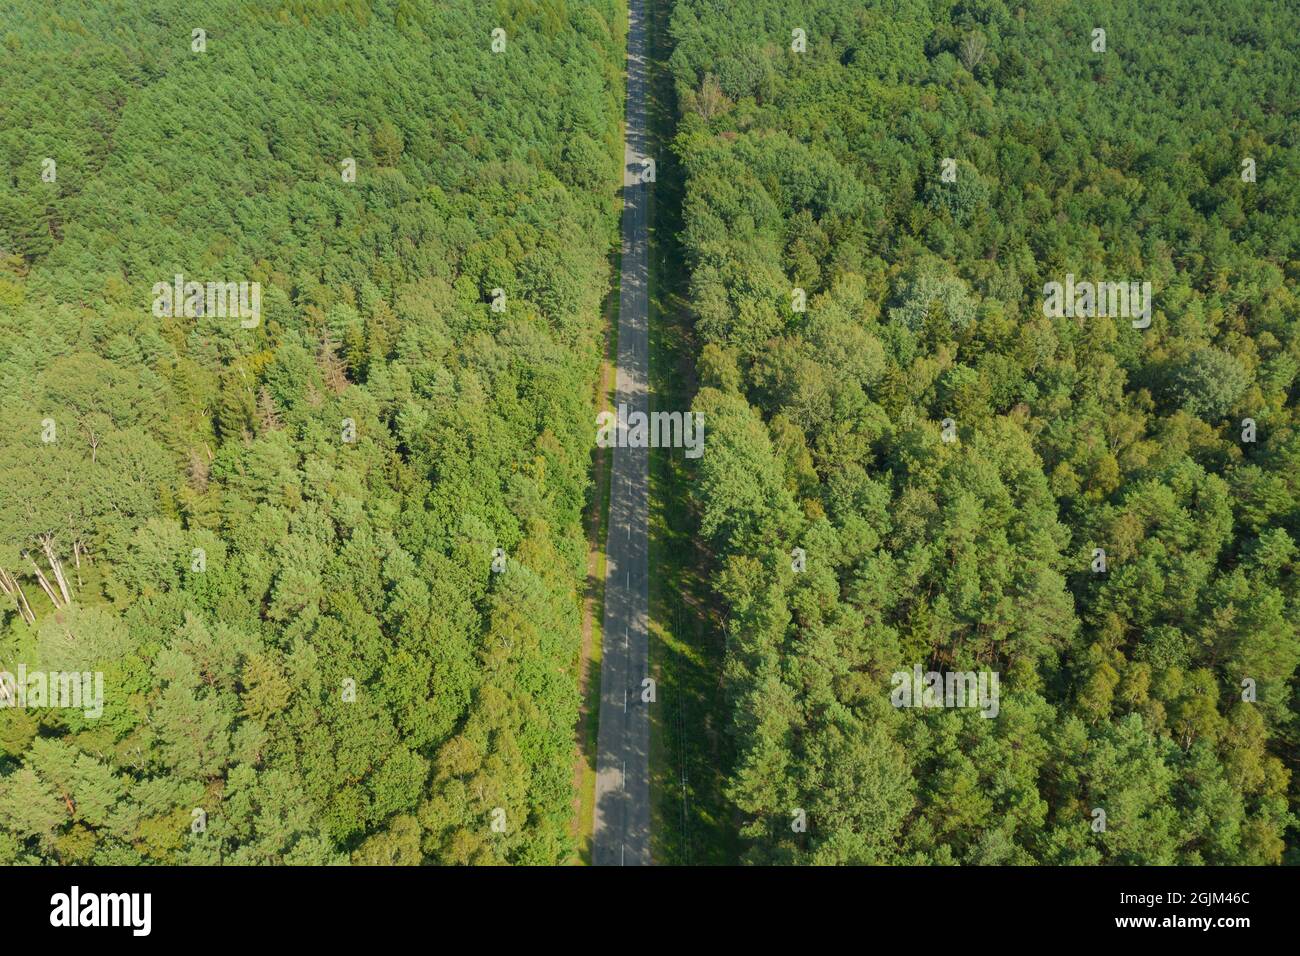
(622, 819)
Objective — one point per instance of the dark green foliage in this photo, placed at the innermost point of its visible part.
(301, 635)
(1120, 691)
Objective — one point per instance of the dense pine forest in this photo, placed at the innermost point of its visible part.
(992, 317)
(1104, 512)
(327, 559)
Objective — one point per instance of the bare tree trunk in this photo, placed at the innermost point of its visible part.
(57, 568)
(76, 557)
(43, 581)
(26, 609)
(9, 590)
(9, 584)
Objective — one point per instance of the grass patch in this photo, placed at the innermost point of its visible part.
(594, 601)
(691, 820)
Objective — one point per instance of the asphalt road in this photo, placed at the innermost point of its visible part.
(622, 816)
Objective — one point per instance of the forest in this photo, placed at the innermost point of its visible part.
(995, 328)
(327, 558)
(1104, 514)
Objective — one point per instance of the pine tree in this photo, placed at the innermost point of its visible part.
(332, 367)
(268, 415)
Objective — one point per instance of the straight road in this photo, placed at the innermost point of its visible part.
(622, 814)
